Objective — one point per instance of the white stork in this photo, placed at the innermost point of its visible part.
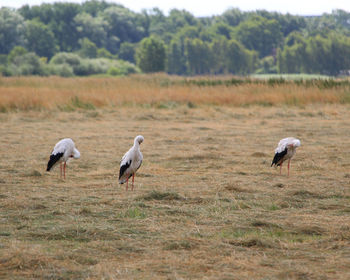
(62, 152)
(286, 149)
(130, 162)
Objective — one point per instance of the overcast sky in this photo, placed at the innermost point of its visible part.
(216, 7)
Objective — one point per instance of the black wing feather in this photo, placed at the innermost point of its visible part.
(53, 160)
(123, 168)
(278, 157)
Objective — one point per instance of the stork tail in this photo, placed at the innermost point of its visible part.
(53, 160)
(278, 157)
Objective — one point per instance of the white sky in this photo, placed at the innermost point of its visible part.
(216, 7)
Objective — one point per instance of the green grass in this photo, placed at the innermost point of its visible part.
(291, 76)
(157, 195)
(133, 213)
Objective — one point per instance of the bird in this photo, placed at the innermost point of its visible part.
(285, 150)
(131, 162)
(62, 152)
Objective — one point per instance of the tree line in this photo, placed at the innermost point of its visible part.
(100, 37)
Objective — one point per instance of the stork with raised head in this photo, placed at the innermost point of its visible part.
(62, 152)
(285, 150)
(131, 162)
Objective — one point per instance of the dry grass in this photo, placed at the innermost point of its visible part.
(207, 204)
(68, 94)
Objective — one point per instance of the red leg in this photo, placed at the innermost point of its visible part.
(127, 181)
(64, 170)
(281, 167)
(288, 166)
(61, 170)
(132, 186)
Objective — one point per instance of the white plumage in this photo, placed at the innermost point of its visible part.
(131, 162)
(285, 150)
(62, 152)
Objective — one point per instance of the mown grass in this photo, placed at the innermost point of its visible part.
(161, 91)
(206, 204)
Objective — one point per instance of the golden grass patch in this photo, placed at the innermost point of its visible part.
(69, 94)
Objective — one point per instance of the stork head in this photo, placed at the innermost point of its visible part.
(139, 139)
(76, 153)
(296, 143)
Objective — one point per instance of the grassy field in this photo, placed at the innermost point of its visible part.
(206, 204)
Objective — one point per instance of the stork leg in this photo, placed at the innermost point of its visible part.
(64, 170)
(132, 186)
(61, 170)
(288, 166)
(127, 181)
(281, 168)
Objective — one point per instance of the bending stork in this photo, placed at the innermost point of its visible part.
(286, 149)
(131, 162)
(62, 152)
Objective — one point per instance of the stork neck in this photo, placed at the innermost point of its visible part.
(136, 144)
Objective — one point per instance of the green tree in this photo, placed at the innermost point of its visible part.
(150, 56)
(199, 56)
(123, 24)
(239, 60)
(44, 13)
(12, 30)
(288, 23)
(88, 48)
(259, 34)
(340, 54)
(342, 19)
(233, 17)
(223, 29)
(94, 28)
(64, 26)
(318, 55)
(102, 52)
(59, 17)
(94, 7)
(167, 28)
(267, 66)
(157, 24)
(219, 49)
(178, 19)
(40, 39)
(293, 58)
(176, 61)
(127, 51)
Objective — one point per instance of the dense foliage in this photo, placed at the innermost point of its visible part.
(100, 37)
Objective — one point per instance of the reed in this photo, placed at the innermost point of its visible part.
(48, 93)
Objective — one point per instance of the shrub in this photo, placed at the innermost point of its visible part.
(3, 59)
(66, 58)
(127, 67)
(27, 64)
(63, 70)
(16, 51)
(114, 71)
(75, 65)
(5, 71)
(103, 53)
